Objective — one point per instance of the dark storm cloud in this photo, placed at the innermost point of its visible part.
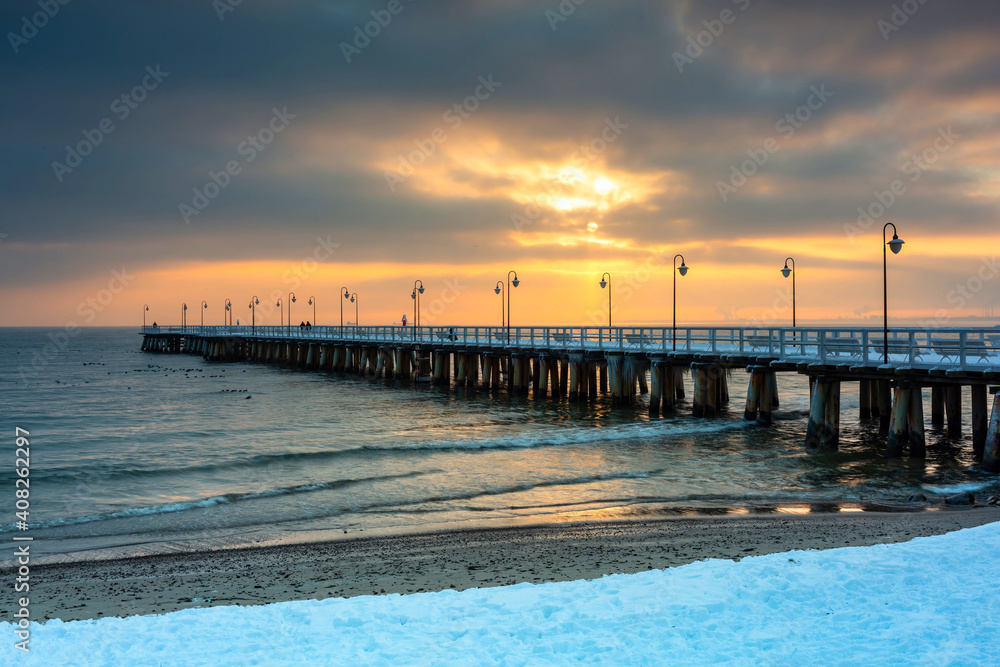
(226, 77)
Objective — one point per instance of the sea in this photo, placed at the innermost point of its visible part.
(135, 453)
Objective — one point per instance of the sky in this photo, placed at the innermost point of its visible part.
(167, 153)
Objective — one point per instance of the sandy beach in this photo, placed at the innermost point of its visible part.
(457, 560)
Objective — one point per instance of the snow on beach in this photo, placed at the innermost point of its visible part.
(931, 601)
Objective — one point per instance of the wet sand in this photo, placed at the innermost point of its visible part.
(457, 560)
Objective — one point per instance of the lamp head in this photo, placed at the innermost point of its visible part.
(496, 289)
(352, 299)
(682, 269)
(347, 295)
(786, 271)
(896, 244)
(310, 301)
(604, 283)
(413, 294)
(293, 299)
(421, 288)
(147, 307)
(515, 282)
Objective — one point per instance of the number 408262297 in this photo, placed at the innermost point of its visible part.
(22, 465)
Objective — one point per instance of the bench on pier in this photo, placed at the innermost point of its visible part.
(446, 337)
(639, 340)
(994, 340)
(951, 350)
(759, 342)
(561, 337)
(849, 346)
(895, 347)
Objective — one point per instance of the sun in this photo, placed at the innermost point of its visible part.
(603, 186)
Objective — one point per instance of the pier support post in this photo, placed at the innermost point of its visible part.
(574, 377)
(865, 394)
(823, 432)
(604, 378)
(563, 376)
(915, 424)
(615, 363)
(592, 379)
(907, 423)
(753, 395)
(980, 420)
(656, 382)
(953, 409)
(937, 406)
(768, 386)
(700, 378)
(991, 453)
(543, 376)
(885, 405)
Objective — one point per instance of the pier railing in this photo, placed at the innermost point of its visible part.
(966, 348)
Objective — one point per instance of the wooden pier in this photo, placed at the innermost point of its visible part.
(621, 363)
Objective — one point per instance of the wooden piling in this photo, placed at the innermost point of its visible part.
(915, 424)
(991, 450)
(753, 394)
(767, 388)
(980, 420)
(656, 382)
(592, 379)
(615, 363)
(937, 406)
(953, 410)
(885, 405)
(865, 393)
(823, 431)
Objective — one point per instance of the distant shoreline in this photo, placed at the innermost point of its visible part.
(456, 560)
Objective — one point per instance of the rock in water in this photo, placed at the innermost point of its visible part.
(917, 498)
(964, 498)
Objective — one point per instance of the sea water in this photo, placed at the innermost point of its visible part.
(135, 453)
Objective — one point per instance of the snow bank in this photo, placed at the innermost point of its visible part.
(931, 601)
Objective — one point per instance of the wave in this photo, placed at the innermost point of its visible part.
(956, 488)
(569, 436)
(575, 436)
(224, 499)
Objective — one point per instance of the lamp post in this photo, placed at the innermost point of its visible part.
(515, 283)
(288, 305)
(184, 308)
(415, 295)
(229, 310)
(281, 314)
(786, 272)
(355, 299)
(608, 285)
(253, 313)
(312, 302)
(499, 290)
(347, 295)
(145, 309)
(896, 244)
(682, 269)
(204, 307)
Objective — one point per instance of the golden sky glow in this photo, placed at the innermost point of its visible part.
(561, 154)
